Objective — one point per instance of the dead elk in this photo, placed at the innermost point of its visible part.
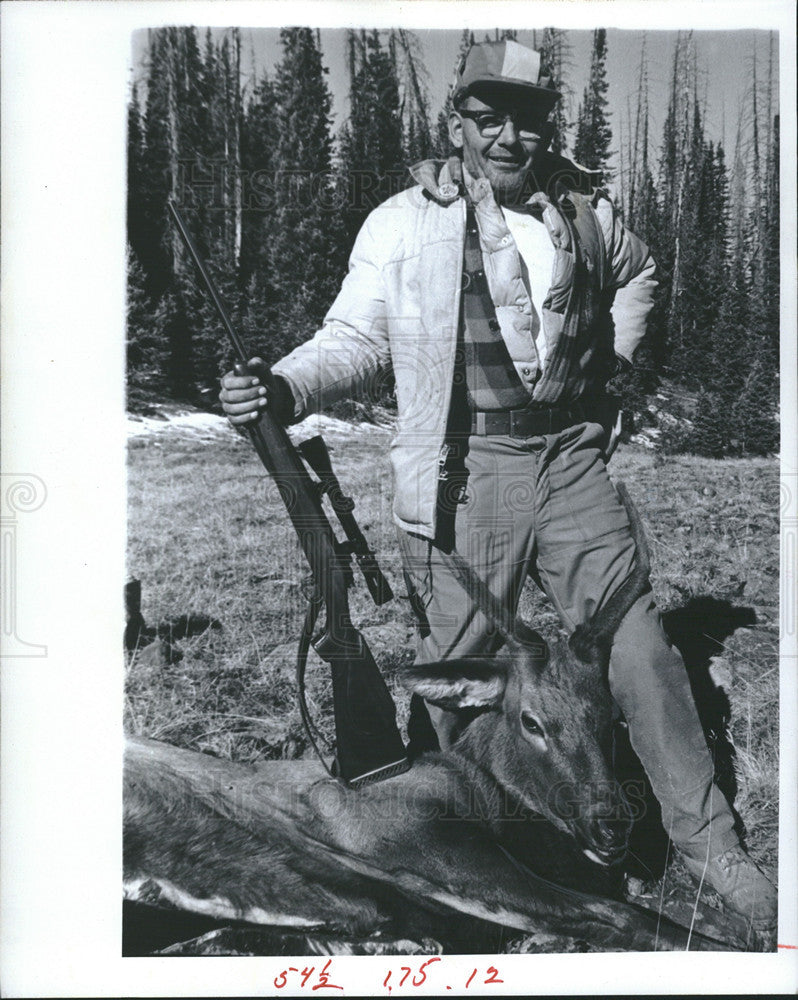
(282, 844)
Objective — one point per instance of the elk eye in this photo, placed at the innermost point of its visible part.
(531, 724)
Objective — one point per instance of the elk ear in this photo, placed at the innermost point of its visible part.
(589, 646)
(532, 641)
(470, 682)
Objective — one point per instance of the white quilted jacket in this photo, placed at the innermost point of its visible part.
(399, 307)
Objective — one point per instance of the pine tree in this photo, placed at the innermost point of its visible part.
(771, 235)
(714, 234)
(711, 426)
(156, 179)
(136, 226)
(643, 217)
(189, 152)
(170, 156)
(681, 172)
(146, 354)
(756, 413)
(231, 68)
(634, 178)
(755, 417)
(763, 221)
(554, 52)
(418, 143)
(443, 147)
(305, 256)
(593, 132)
(703, 278)
(728, 357)
(174, 337)
(258, 158)
(371, 152)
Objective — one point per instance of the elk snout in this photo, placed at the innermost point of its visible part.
(598, 816)
(607, 833)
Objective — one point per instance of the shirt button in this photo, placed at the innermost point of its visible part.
(526, 371)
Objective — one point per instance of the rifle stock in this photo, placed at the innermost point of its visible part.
(369, 746)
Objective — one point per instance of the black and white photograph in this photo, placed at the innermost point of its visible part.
(445, 504)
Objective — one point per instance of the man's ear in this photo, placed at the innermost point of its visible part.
(455, 130)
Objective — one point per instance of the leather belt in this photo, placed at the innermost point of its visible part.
(529, 422)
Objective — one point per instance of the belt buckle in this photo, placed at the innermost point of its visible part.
(532, 422)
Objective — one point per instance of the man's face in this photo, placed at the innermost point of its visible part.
(505, 156)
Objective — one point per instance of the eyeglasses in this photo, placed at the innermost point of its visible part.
(491, 123)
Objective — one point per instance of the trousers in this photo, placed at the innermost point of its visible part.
(545, 507)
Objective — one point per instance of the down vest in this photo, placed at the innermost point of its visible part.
(398, 309)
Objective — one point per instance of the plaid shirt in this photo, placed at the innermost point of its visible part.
(601, 290)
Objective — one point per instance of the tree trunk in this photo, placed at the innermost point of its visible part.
(235, 160)
(173, 137)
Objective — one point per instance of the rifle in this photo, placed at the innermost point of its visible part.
(369, 747)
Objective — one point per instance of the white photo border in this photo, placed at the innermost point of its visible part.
(65, 80)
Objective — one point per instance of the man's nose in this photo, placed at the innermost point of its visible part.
(509, 134)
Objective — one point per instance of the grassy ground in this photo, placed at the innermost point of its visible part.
(208, 535)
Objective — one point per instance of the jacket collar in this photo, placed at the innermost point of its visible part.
(440, 179)
(447, 180)
(444, 181)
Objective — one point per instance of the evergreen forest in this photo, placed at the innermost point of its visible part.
(275, 199)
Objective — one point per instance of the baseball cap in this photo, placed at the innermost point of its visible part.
(505, 64)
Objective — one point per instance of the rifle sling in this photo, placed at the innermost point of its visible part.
(314, 607)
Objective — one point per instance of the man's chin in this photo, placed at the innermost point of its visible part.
(507, 183)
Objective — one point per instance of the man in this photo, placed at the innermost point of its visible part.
(504, 293)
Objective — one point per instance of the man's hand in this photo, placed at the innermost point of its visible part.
(243, 398)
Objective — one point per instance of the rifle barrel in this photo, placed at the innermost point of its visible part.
(221, 309)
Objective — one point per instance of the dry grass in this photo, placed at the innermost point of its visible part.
(208, 535)
(714, 531)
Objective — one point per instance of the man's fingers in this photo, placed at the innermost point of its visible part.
(250, 406)
(242, 394)
(243, 397)
(232, 382)
(245, 418)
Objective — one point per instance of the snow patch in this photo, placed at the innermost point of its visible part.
(329, 427)
(200, 425)
(193, 423)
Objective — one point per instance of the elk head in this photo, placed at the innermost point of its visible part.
(545, 735)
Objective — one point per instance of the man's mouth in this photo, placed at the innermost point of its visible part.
(506, 162)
